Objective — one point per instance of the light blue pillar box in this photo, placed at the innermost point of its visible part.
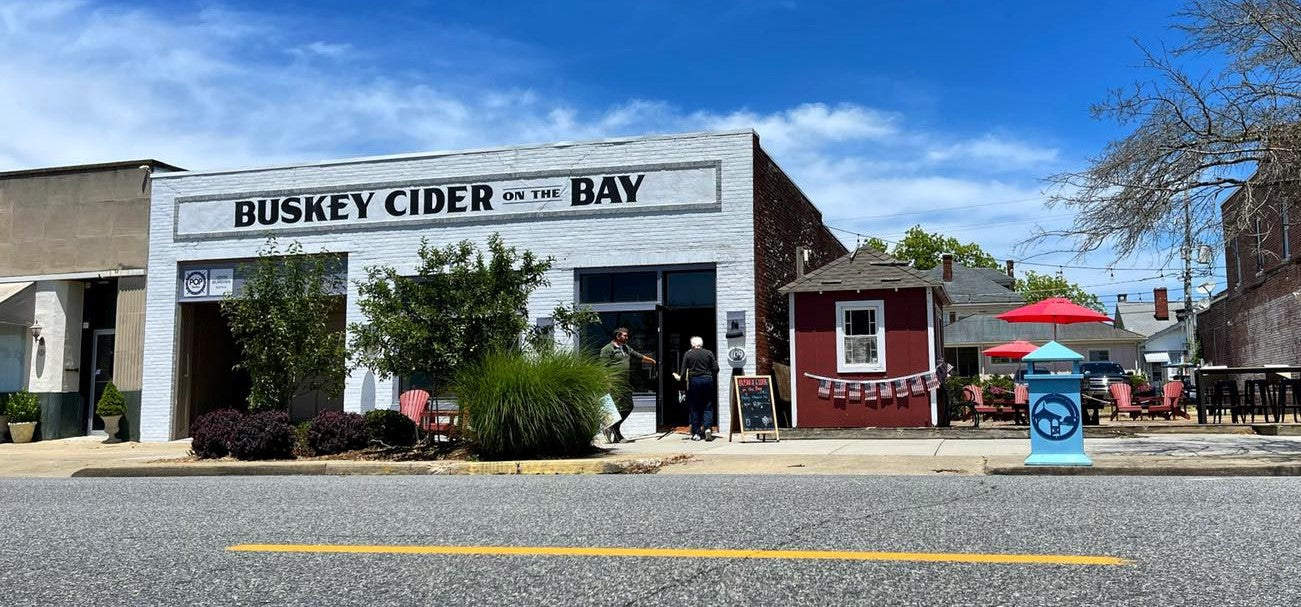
(1056, 423)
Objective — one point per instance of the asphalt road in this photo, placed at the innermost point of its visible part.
(1192, 541)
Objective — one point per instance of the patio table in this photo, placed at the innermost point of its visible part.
(1222, 371)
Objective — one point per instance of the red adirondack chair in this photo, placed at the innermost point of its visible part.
(1123, 396)
(1022, 394)
(415, 405)
(974, 395)
(1172, 395)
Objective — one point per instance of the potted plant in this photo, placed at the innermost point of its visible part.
(110, 408)
(24, 410)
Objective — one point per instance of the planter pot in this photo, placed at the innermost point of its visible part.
(22, 432)
(110, 426)
(4, 428)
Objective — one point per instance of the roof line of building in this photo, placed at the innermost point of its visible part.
(442, 153)
(81, 168)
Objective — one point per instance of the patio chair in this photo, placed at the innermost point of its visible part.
(415, 405)
(1168, 404)
(1122, 396)
(976, 396)
(1172, 394)
(1021, 403)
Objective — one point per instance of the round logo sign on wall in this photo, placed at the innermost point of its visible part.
(1055, 417)
(196, 282)
(736, 356)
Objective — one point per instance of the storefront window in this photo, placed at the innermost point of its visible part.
(643, 334)
(617, 287)
(690, 289)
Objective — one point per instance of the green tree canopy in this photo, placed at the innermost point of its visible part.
(1038, 287)
(281, 320)
(460, 305)
(924, 249)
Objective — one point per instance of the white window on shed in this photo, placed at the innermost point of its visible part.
(860, 336)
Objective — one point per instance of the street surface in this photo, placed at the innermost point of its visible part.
(1191, 541)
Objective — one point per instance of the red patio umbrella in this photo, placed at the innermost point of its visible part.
(1055, 310)
(1012, 349)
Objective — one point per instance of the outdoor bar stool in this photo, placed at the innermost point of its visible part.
(1289, 397)
(1258, 396)
(1225, 396)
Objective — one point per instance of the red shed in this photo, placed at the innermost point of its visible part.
(858, 324)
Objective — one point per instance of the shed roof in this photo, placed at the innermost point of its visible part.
(864, 269)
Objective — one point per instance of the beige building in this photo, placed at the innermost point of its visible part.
(73, 246)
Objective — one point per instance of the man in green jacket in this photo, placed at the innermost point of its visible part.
(618, 355)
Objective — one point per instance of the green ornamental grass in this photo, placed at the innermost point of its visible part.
(542, 404)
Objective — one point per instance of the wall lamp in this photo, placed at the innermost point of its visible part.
(36, 331)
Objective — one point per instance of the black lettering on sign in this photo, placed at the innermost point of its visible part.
(245, 213)
(391, 203)
(338, 207)
(455, 196)
(268, 211)
(580, 191)
(314, 208)
(630, 186)
(434, 201)
(481, 198)
(291, 209)
(362, 203)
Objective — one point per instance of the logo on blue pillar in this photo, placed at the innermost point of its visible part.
(1055, 417)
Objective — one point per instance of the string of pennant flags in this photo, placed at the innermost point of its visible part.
(916, 384)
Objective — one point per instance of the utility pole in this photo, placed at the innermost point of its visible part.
(1190, 336)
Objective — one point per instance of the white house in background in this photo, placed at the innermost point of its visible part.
(1160, 322)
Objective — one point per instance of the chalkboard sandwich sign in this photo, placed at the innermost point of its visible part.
(753, 409)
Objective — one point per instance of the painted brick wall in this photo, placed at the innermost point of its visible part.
(723, 237)
(784, 219)
(1259, 319)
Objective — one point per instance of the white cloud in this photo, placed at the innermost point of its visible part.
(212, 89)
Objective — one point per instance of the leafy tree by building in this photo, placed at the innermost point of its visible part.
(460, 304)
(1038, 287)
(281, 321)
(924, 249)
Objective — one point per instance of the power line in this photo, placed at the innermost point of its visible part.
(935, 210)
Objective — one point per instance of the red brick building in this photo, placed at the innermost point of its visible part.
(860, 320)
(1257, 319)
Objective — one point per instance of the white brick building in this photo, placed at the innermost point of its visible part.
(664, 218)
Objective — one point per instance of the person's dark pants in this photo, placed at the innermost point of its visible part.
(700, 392)
(622, 403)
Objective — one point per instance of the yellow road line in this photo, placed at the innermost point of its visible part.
(843, 555)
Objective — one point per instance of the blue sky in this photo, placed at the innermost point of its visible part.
(884, 112)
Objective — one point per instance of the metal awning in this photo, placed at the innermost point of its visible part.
(1156, 357)
(17, 304)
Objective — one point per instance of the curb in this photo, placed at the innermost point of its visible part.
(350, 468)
(1147, 470)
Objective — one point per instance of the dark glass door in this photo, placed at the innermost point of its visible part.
(101, 371)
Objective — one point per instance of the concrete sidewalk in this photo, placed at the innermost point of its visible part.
(1173, 454)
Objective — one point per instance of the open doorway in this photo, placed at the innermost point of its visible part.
(662, 308)
(688, 311)
(206, 378)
